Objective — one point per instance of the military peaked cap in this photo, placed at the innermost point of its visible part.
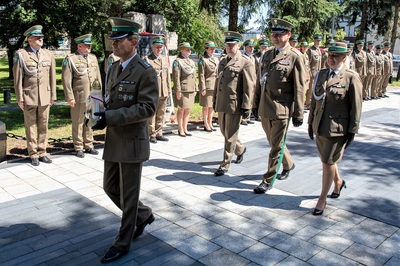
(121, 28)
(338, 48)
(280, 25)
(232, 37)
(157, 40)
(34, 31)
(87, 39)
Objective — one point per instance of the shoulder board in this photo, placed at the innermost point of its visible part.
(294, 50)
(350, 70)
(144, 64)
(245, 56)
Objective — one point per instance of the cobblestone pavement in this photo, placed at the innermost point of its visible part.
(58, 214)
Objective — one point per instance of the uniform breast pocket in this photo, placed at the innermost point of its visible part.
(339, 123)
(127, 94)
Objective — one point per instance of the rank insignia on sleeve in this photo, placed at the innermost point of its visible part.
(65, 61)
(201, 62)
(16, 59)
(175, 63)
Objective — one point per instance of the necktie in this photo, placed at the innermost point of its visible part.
(120, 68)
(228, 59)
(331, 75)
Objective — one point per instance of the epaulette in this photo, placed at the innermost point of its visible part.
(295, 51)
(350, 70)
(246, 56)
(145, 64)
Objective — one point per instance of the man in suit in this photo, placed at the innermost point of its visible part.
(279, 97)
(315, 59)
(35, 88)
(232, 98)
(80, 74)
(371, 71)
(131, 99)
(387, 67)
(161, 65)
(360, 58)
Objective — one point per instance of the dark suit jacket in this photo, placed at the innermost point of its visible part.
(133, 97)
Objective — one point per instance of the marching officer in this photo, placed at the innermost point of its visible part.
(131, 99)
(207, 67)
(160, 63)
(387, 67)
(35, 88)
(280, 97)
(232, 98)
(350, 64)
(371, 71)
(360, 58)
(315, 59)
(80, 74)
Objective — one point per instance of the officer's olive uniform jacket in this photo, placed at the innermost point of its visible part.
(388, 63)
(371, 63)
(78, 75)
(379, 64)
(161, 66)
(340, 111)
(133, 97)
(235, 83)
(31, 88)
(315, 59)
(184, 75)
(360, 58)
(281, 95)
(207, 68)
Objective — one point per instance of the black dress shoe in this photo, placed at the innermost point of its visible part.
(239, 158)
(153, 140)
(285, 174)
(162, 138)
(113, 254)
(92, 151)
(35, 161)
(262, 188)
(219, 172)
(208, 130)
(80, 154)
(250, 122)
(45, 159)
(140, 228)
(336, 195)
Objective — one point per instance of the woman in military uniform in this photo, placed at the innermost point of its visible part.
(334, 117)
(184, 76)
(208, 67)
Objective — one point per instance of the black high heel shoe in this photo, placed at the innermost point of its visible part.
(317, 212)
(336, 195)
(208, 130)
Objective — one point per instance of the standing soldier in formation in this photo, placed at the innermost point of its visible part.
(324, 63)
(376, 89)
(350, 64)
(232, 98)
(387, 67)
(263, 44)
(303, 50)
(280, 97)
(248, 51)
(80, 74)
(315, 59)
(35, 88)
(293, 40)
(208, 67)
(131, 99)
(360, 58)
(184, 77)
(161, 65)
(371, 71)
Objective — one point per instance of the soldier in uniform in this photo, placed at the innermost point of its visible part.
(303, 50)
(376, 87)
(35, 88)
(387, 67)
(315, 59)
(371, 71)
(207, 67)
(324, 63)
(360, 58)
(350, 64)
(280, 97)
(248, 51)
(80, 73)
(293, 40)
(334, 118)
(232, 98)
(263, 44)
(161, 65)
(184, 77)
(131, 99)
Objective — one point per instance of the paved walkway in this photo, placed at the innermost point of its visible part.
(58, 214)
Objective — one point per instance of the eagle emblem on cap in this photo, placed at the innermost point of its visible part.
(274, 21)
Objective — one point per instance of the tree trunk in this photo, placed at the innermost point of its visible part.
(363, 24)
(233, 15)
(393, 37)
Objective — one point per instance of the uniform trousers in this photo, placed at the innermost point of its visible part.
(309, 92)
(367, 86)
(82, 135)
(156, 122)
(275, 130)
(36, 126)
(385, 82)
(122, 185)
(229, 125)
(376, 86)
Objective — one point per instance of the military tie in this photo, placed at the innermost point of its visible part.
(331, 75)
(276, 52)
(228, 59)
(120, 68)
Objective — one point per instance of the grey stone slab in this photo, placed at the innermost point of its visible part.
(391, 245)
(325, 257)
(365, 255)
(339, 228)
(263, 254)
(393, 262)
(75, 259)
(346, 217)
(298, 248)
(377, 227)
(234, 241)
(292, 261)
(224, 257)
(306, 233)
(275, 238)
(149, 252)
(9, 254)
(167, 257)
(172, 234)
(364, 237)
(254, 229)
(331, 242)
(208, 230)
(196, 247)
